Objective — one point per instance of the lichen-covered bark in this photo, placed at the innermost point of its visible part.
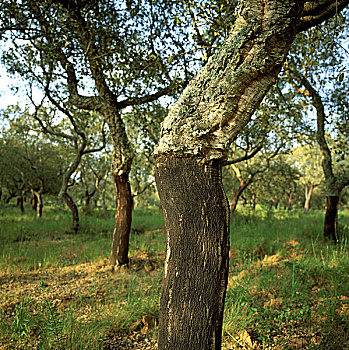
(220, 100)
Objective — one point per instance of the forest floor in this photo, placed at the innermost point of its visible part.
(287, 289)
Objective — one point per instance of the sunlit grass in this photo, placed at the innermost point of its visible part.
(287, 287)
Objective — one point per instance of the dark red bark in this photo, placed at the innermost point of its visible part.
(73, 209)
(123, 219)
(330, 225)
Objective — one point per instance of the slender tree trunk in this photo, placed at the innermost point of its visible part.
(197, 220)
(253, 201)
(334, 184)
(308, 193)
(39, 206)
(289, 207)
(123, 219)
(20, 203)
(104, 206)
(34, 201)
(243, 186)
(73, 209)
(330, 225)
(87, 200)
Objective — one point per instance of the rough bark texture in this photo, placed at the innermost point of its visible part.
(73, 209)
(123, 219)
(220, 100)
(330, 226)
(196, 268)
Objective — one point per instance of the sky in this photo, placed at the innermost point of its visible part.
(7, 97)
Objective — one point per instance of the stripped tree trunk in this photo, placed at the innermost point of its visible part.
(330, 225)
(68, 200)
(123, 219)
(196, 270)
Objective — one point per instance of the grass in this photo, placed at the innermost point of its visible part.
(287, 289)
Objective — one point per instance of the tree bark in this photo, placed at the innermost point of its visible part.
(73, 209)
(330, 225)
(237, 194)
(39, 206)
(334, 183)
(195, 277)
(34, 201)
(308, 193)
(104, 206)
(123, 219)
(20, 203)
(290, 196)
(253, 201)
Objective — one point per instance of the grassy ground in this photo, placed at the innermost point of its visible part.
(287, 289)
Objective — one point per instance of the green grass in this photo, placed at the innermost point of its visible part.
(293, 289)
(287, 288)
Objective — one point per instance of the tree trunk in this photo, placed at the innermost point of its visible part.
(195, 277)
(34, 201)
(290, 196)
(104, 206)
(39, 206)
(73, 209)
(123, 218)
(20, 203)
(195, 136)
(7, 200)
(308, 193)
(330, 225)
(243, 186)
(253, 201)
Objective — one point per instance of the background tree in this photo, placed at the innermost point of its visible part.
(334, 182)
(102, 56)
(308, 162)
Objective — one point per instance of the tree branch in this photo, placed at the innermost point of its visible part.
(245, 157)
(83, 102)
(316, 12)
